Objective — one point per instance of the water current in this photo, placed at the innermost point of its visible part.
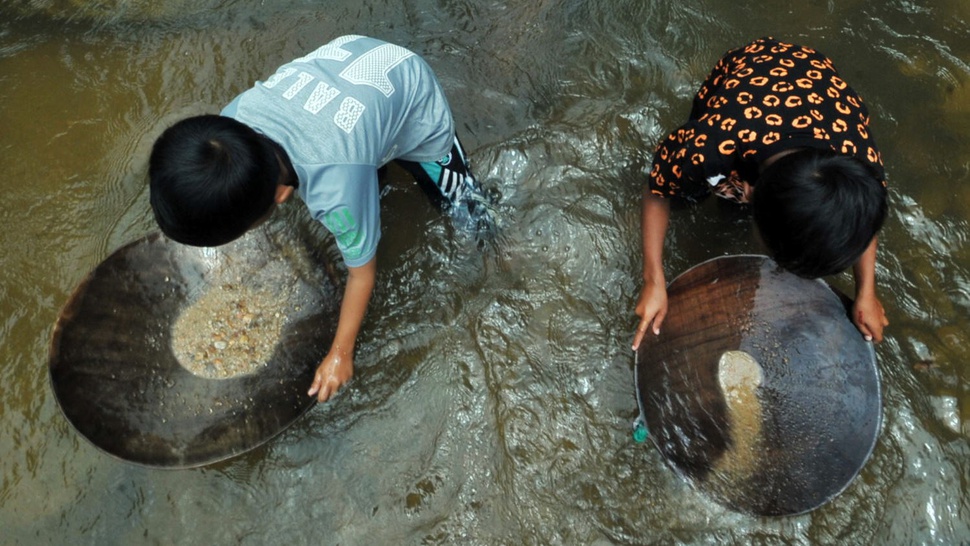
(493, 392)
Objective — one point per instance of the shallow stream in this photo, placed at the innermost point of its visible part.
(493, 392)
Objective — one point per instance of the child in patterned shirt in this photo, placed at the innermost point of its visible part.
(776, 127)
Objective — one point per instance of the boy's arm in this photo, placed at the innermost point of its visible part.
(652, 305)
(867, 311)
(338, 366)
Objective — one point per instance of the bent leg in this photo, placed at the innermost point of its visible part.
(450, 185)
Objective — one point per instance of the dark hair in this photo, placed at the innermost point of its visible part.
(211, 178)
(817, 211)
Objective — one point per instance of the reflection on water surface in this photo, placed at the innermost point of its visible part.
(493, 396)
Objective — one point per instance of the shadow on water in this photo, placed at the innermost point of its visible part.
(493, 392)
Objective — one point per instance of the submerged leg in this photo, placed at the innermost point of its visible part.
(452, 187)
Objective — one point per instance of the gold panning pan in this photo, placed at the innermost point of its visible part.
(759, 389)
(114, 367)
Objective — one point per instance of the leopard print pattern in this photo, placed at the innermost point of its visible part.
(760, 99)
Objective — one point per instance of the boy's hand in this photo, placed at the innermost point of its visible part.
(869, 317)
(335, 370)
(651, 308)
(867, 312)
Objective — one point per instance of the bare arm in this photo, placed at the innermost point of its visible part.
(338, 366)
(652, 305)
(867, 311)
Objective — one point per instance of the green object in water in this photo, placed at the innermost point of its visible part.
(640, 432)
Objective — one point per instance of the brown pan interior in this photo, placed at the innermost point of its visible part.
(815, 413)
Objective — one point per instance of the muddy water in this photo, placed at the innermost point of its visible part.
(493, 394)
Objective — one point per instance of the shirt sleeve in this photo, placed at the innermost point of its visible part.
(346, 200)
(687, 163)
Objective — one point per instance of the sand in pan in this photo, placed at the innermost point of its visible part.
(739, 376)
(231, 330)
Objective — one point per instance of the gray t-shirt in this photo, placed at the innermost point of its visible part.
(340, 113)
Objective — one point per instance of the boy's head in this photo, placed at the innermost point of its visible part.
(817, 211)
(211, 179)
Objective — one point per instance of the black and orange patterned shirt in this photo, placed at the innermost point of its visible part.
(760, 99)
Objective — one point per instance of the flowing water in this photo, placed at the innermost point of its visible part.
(493, 393)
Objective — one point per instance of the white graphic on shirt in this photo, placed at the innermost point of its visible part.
(302, 81)
(278, 77)
(372, 67)
(331, 51)
(321, 96)
(350, 111)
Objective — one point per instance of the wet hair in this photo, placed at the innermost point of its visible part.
(211, 178)
(817, 211)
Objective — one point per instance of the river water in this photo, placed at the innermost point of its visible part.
(493, 392)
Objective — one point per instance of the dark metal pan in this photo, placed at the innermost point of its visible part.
(115, 375)
(759, 389)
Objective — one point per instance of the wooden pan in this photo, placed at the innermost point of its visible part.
(759, 389)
